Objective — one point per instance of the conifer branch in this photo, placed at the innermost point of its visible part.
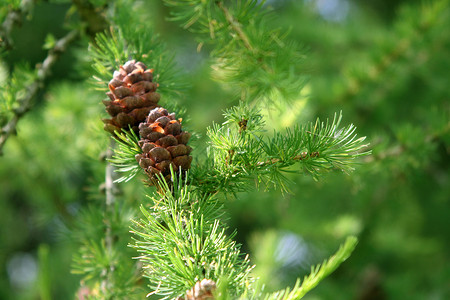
(247, 52)
(181, 242)
(180, 239)
(43, 72)
(235, 25)
(238, 155)
(240, 152)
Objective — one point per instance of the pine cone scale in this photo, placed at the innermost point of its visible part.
(167, 141)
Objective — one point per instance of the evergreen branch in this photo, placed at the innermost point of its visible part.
(318, 273)
(247, 118)
(101, 265)
(180, 240)
(43, 71)
(14, 87)
(92, 254)
(248, 54)
(180, 244)
(318, 146)
(238, 155)
(189, 12)
(13, 18)
(237, 27)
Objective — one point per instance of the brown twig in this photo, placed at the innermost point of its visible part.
(301, 156)
(237, 27)
(44, 70)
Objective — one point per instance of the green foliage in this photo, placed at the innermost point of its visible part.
(13, 88)
(123, 157)
(387, 71)
(248, 53)
(109, 272)
(181, 242)
(239, 151)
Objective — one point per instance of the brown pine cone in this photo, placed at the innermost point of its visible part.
(132, 96)
(163, 143)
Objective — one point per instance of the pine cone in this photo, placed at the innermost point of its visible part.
(132, 96)
(163, 144)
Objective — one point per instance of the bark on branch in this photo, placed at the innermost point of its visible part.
(44, 70)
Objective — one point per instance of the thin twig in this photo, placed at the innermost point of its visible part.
(301, 156)
(236, 26)
(110, 191)
(14, 17)
(44, 70)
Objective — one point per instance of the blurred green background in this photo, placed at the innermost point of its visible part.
(384, 64)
